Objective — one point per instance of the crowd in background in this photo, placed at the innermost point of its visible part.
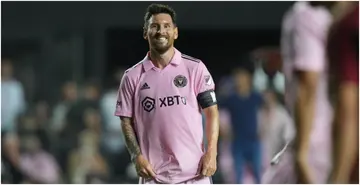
(79, 140)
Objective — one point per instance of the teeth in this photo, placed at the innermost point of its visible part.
(162, 39)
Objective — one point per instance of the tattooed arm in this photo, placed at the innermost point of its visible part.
(143, 167)
(130, 137)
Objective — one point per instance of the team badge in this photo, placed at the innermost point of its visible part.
(180, 81)
(208, 80)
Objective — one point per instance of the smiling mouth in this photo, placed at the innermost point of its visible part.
(161, 39)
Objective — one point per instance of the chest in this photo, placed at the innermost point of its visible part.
(166, 88)
(243, 105)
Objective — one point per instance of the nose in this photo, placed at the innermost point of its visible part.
(161, 30)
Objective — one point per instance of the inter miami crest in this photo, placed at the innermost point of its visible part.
(180, 81)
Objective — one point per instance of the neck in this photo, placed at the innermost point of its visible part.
(162, 60)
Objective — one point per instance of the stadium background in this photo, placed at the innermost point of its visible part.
(53, 43)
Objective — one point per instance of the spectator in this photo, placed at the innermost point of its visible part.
(92, 121)
(276, 125)
(243, 106)
(69, 97)
(91, 95)
(38, 165)
(10, 157)
(86, 160)
(112, 141)
(12, 97)
(30, 125)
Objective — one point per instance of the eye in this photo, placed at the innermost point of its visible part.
(153, 26)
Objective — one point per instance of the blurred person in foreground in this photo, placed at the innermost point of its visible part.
(86, 162)
(112, 139)
(160, 101)
(304, 34)
(242, 106)
(12, 97)
(343, 53)
(276, 126)
(36, 164)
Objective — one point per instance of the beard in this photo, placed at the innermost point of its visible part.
(160, 47)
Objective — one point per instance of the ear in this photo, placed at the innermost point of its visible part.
(176, 33)
(145, 33)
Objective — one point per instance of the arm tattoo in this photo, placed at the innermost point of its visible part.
(130, 139)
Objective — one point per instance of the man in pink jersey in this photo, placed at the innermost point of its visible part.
(303, 41)
(159, 103)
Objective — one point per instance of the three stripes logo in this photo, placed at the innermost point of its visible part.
(145, 86)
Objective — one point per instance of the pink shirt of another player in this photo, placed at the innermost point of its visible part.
(303, 46)
(166, 113)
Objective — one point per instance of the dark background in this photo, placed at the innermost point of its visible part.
(50, 43)
(80, 40)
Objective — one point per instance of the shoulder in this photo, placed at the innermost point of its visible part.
(311, 17)
(134, 72)
(191, 62)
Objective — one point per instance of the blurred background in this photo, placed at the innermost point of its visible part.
(61, 67)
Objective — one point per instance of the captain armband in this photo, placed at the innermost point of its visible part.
(207, 99)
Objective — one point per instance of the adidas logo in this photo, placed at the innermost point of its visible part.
(145, 86)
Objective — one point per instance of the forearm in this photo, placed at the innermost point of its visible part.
(345, 134)
(344, 142)
(212, 128)
(304, 114)
(130, 138)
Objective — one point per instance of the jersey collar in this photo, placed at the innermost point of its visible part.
(147, 64)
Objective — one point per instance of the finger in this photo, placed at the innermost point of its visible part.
(204, 171)
(150, 171)
(210, 172)
(143, 173)
(200, 166)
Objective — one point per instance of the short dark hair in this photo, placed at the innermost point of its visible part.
(155, 9)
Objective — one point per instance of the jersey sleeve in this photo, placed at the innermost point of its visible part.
(309, 37)
(204, 87)
(203, 79)
(124, 104)
(348, 48)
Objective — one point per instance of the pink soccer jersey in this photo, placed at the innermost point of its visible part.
(303, 46)
(167, 116)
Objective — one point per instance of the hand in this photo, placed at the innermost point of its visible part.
(143, 167)
(207, 165)
(302, 169)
